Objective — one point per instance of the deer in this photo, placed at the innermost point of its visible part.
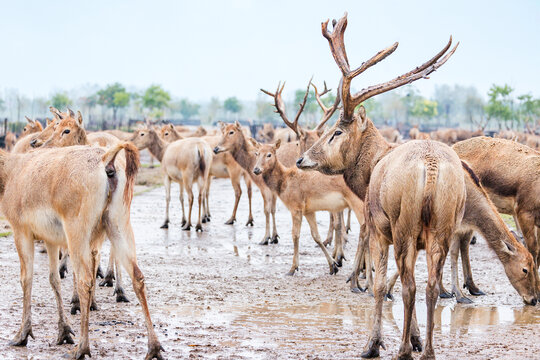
(9, 141)
(416, 134)
(183, 161)
(482, 216)
(86, 197)
(223, 166)
(509, 173)
(421, 175)
(304, 193)
(25, 142)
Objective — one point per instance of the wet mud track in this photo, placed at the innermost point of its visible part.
(218, 294)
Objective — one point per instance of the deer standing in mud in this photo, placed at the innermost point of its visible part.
(183, 161)
(304, 193)
(510, 174)
(85, 197)
(223, 166)
(415, 193)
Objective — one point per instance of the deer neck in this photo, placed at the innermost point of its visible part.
(277, 177)
(372, 148)
(244, 155)
(157, 146)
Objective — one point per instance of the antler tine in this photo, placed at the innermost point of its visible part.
(318, 96)
(418, 73)
(337, 45)
(303, 103)
(28, 119)
(328, 112)
(280, 107)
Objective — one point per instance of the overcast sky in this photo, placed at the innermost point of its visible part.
(200, 49)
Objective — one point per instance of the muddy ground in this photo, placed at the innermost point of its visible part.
(219, 295)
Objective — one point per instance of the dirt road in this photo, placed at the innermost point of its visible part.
(220, 295)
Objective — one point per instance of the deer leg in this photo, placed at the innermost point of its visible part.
(248, 182)
(109, 276)
(63, 264)
(454, 257)
(390, 286)
(358, 260)
(119, 287)
(64, 329)
(330, 235)
(435, 255)
(466, 264)
(167, 184)
(296, 226)
(267, 210)
(181, 196)
(189, 189)
(121, 235)
(527, 224)
(380, 258)
(235, 181)
(338, 254)
(275, 235)
(202, 193)
(206, 206)
(25, 249)
(416, 339)
(348, 229)
(312, 221)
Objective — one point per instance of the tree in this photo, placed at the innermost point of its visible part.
(474, 109)
(528, 110)
(424, 108)
(265, 110)
(311, 107)
(90, 102)
(499, 105)
(114, 96)
(232, 105)
(2, 105)
(188, 109)
(60, 100)
(446, 102)
(213, 108)
(155, 99)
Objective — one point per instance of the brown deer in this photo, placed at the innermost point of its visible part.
(416, 134)
(223, 166)
(407, 189)
(183, 161)
(85, 197)
(482, 216)
(9, 141)
(25, 143)
(305, 193)
(32, 127)
(509, 172)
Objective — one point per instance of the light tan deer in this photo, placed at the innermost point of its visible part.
(9, 141)
(183, 161)
(510, 173)
(86, 196)
(305, 193)
(415, 192)
(416, 134)
(32, 127)
(223, 166)
(25, 143)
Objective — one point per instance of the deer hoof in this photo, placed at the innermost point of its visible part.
(64, 336)
(372, 350)
(203, 220)
(357, 289)
(21, 339)
(93, 306)
(473, 290)
(107, 281)
(183, 222)
(275, 239)
(265, 241)
(75, 306)
(165, 225)
(348, 230)
(230, 221)
(63, 271)
(154, 352)
(99, 272)
(464, 300)
(120, 296)
(334, 269)
(446, 295)
(186, 227)
(81, 352)
(198, 228)
(416, 343)
(473, 240)
(390, 297)
(249, 222)
(292, 272)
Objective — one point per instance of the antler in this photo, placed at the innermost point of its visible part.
(56, 112)
(337, 47)
(280, 106)
(327, 112)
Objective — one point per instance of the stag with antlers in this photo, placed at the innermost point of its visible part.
(415, 192)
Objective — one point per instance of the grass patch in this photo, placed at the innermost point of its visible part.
(148, 165)
(148, 189)
(5, 233)
(509, 220)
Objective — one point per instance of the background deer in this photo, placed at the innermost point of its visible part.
(87, 196)
(184, 161)
(425, 176)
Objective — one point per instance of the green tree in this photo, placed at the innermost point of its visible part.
(499, 106)
(265, 110)
(311, 108)
(528, 110)
(60, 100)
(474, 109)
(213, 109)
(90, 102)
(114, 96)
(188, 109)
(424, 109)
(232, 105)
(156, 99)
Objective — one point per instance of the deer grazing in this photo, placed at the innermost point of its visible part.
(184, 161)
(304, 193)
(223, 166)
(415, 193)
(509, 172)
(85, 197)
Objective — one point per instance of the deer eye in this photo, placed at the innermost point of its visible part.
(166, 134)
(256, 153)
(24, 129)
(525, 271)
(338, 132)
(67, 131)
(142, 134)
(269, 155)
(232, 132)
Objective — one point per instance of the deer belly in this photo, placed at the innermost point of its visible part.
(45, 225)
(330, 201)
(505, 204)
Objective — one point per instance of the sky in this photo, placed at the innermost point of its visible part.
(201, 49)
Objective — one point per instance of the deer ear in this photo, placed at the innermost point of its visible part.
(362, 118)
(49, 121)
(171, 126)
(71, 113)
(254, 142)
(30, 121)
(221, 125)
(278, 143)
(79, 119)
(237, 124)
(57, 114)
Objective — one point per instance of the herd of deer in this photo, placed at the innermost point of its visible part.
(419, 194)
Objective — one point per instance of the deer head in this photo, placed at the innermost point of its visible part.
(340, 146)
(68, 132)
(33, 126)
(169, 133)
(232, 138)
(144, 137)
(38, 140)
(266, 157)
